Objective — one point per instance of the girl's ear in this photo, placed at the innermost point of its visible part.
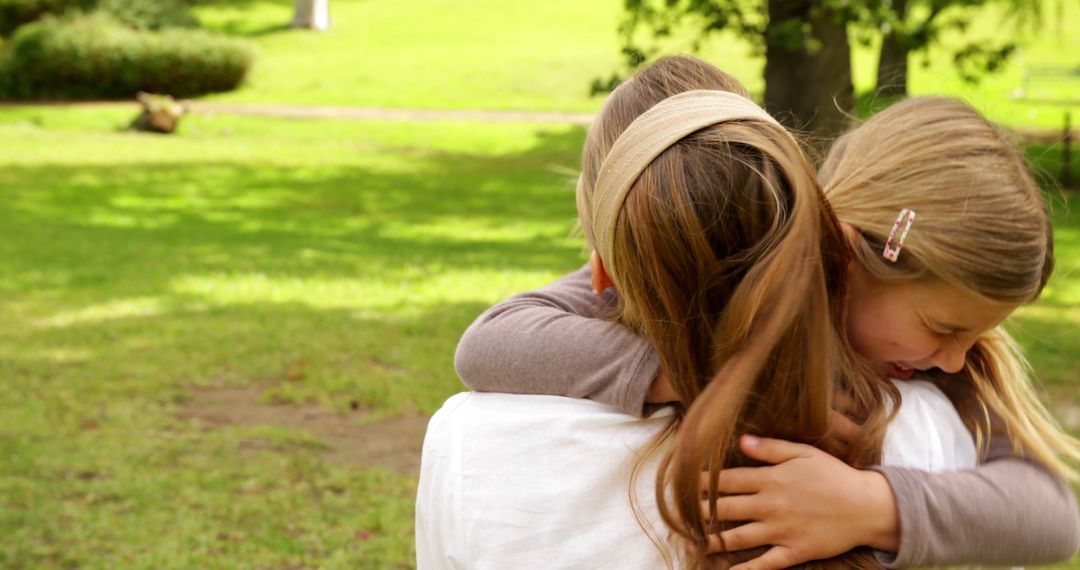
(601, 281)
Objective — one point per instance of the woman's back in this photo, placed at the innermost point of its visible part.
(510, 481)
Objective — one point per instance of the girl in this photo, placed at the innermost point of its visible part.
(979, 247)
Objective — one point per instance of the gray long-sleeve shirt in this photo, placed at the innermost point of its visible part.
(1007, 511)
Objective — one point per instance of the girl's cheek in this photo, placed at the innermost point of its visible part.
(920, 349)
(867, 345)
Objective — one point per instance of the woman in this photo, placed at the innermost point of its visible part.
(706, 297)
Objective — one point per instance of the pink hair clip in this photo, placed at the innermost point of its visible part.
(892, 252)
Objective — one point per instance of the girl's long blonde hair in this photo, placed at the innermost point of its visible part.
(731, 264)
(981, 226)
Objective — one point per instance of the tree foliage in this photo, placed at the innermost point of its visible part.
(805, 44)
(911, 27)
(804, 34)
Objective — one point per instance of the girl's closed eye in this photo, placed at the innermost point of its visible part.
(942, 331)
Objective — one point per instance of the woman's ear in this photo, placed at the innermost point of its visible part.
(601, 281)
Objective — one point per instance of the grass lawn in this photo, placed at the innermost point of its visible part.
(334, 265)
(490, 54)
(327, 265)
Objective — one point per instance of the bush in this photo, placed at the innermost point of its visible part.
(14, 13)
(7, 89)
(142, 14)
(150, 14)
(94, 56)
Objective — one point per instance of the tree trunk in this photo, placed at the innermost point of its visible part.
(808, 89)
(311, 15)
(892, 72)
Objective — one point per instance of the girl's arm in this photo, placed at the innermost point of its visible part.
(1005, 512)
(552, 341)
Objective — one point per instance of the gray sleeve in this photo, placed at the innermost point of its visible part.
(1006, 512)
(552, 341)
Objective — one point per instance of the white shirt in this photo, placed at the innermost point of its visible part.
(511, 481)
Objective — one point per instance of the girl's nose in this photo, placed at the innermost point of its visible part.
(950, 357)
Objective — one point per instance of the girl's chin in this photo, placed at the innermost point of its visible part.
(900, 372)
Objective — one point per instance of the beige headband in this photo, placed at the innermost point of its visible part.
(663, 125)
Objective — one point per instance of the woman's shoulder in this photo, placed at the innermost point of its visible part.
(525, 417)
(927, 432)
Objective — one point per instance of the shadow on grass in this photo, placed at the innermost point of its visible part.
(241, 3)
(139, 227)
(331, 284)
(234, 28)
(88, 370)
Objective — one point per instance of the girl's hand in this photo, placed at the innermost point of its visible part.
(808, 506)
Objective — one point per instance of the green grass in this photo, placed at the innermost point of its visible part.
(135, 267)
(429, 54)
(1050, 329)
(543, 56)
(326, 262)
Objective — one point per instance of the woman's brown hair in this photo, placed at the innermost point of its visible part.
(730, 262)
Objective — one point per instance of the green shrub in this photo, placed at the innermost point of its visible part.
(6, 77)
(141, 14)
(94, 56)
(150, 14)
(14, 13)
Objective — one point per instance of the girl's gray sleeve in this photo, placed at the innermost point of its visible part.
(1006, 512)
(551, 341)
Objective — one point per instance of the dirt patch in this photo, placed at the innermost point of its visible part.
(393, 442)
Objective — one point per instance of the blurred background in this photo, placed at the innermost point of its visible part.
(220, 346)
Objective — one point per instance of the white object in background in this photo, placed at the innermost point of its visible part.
(311, 15)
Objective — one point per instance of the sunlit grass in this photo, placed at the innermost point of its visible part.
(429, 54)
(498, 55)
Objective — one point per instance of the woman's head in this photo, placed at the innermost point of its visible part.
(704, 202)
(664, 78)
(980, 244)
(724, 254)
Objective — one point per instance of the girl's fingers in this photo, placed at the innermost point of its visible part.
(750, 535)
(736, 481)
(732, 508)
(774, 450)
(775, 558)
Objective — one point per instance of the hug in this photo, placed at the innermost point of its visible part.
(764, 364)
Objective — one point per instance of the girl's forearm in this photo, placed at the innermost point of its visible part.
(1006, 512)
(552, 341)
